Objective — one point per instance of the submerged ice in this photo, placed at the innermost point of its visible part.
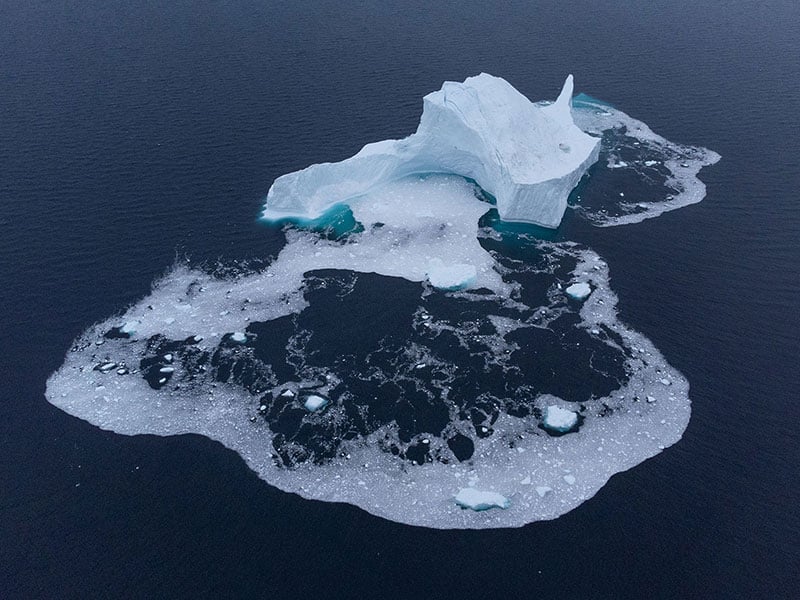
(427, 366)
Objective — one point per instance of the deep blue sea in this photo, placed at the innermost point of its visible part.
(135, 132)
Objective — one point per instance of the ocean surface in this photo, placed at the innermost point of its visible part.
(132, 134)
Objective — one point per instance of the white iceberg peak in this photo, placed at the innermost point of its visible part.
(527, 156)
(563, 104)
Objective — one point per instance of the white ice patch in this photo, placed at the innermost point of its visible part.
(529, 157)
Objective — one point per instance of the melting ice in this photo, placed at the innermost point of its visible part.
(428, 366)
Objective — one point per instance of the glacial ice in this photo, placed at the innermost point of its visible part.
(422, 228)
(529, 157)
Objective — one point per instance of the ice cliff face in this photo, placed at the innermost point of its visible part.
(528, 157)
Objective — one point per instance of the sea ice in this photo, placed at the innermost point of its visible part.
(529, 157)
(479, 500)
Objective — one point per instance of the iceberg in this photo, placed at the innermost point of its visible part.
(579, 291)
(314, 403)
(529, 157)
(294, 366)
(478, 500)
(559, 419)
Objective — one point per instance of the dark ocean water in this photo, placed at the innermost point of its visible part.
(130, 132)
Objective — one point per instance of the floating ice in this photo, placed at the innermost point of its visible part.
(559, 419)
(666, 172)
(447, 391)
(314, 403)
(479, 500)
(579, 291)
(528, 157)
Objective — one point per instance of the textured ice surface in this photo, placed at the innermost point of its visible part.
(414, 361)
(528, 157)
